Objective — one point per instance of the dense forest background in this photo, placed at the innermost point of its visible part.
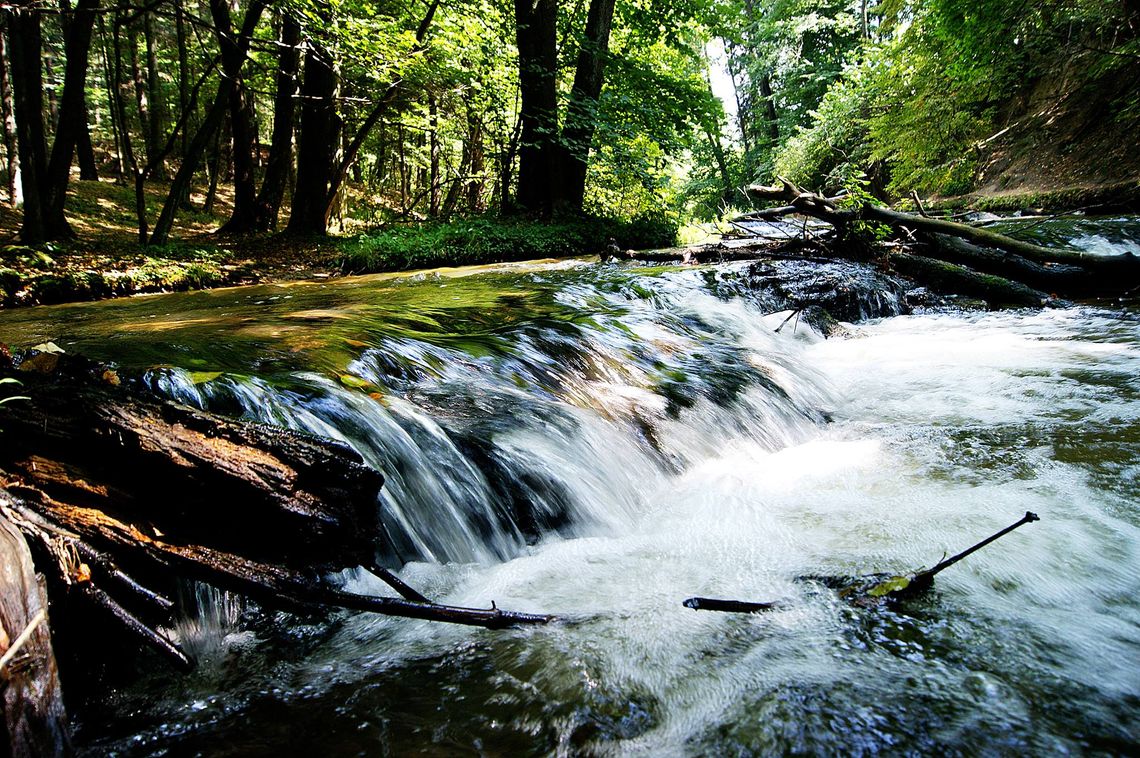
(311, 116)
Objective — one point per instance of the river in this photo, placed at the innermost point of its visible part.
(602, 442)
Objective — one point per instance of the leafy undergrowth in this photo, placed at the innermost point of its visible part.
(486, 240)
(106, 260)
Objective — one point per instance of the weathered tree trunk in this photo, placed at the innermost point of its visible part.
(476, 161)
(951, 278)
(581, 116)
(32, 717)
(8, 113)
(536, 25)
(284, 118)
(1065, 271)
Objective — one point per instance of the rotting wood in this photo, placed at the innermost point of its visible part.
(32, 716)
(122, 494)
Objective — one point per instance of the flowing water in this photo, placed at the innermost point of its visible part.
(603, 442)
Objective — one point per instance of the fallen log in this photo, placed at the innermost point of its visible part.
(951, 278)
(122, 494)
(90, 436)
(1106, 272)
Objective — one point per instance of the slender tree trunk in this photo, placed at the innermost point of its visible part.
(773, 121)
(284, 117)
(315, 146)
(138, 81)
(73, 117)
(8, 113)
(210, 124)
(25, 42)
(742, 120)
(242, 133)
(581, 116)
(111, 85)
(476, 160)
(85, 150)
(183, 90)
(154, 95)
(138, 176)
(536, 25)
(434, 202)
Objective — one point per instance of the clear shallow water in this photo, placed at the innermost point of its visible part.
(603, 443)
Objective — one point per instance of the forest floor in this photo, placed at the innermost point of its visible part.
(106, 260)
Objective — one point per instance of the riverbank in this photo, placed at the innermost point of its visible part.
(107, 261)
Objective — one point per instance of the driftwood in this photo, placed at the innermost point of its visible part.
(869, 589)
(1071, 272)
(122, 494)
(32, 716)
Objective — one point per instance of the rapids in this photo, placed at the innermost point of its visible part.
(602, 442)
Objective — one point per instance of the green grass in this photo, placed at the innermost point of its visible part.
(480, 241)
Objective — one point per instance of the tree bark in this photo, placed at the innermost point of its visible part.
(25, 43)
(73, 116)
(8, 114)
(435, 199)
(284, 121)
(316, 144)
(581, 111)
(536, 30)
(207, 130)
(154, 97)
(242, 134)
(32, 717)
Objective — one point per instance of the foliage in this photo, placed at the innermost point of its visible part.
(917, 102)
(486, 240)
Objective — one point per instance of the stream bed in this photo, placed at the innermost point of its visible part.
(602, 442)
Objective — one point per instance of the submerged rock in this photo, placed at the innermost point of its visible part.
(843, 290)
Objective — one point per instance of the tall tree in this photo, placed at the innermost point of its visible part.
(318, 140)
(284, 119)
(25, 44)
(536, 25)
(73, 117)
(581, 111)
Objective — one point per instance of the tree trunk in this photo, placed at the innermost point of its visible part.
(434, 190)
(476, 161)
(25, 42)
(111, 85)
(183, 91)
(581, 112)
(85, 150)
(315, 145)
(8, 113)
(207, 130)
(242, 134)
(284, 118)
(32, 717)
(73, 116)
(154, 96)
(536, 27)
(770, 116)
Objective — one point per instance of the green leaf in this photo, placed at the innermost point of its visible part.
(887, 586)
(201, 377)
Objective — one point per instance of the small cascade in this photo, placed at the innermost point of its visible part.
(556, 424)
